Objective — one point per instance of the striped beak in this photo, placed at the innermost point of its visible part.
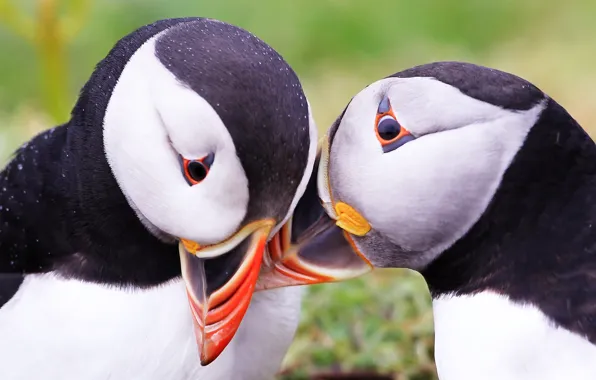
(310, 248)
(323, 252)
(220, 280)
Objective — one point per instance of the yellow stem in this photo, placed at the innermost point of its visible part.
(52, 52)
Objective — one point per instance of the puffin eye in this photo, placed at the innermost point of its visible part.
(390, 133)
(196, 171)
(388, 128)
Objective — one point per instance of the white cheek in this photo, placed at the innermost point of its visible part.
(426, 194)
(432, 187)
(149, 114)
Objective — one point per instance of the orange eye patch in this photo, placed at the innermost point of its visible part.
(390, 133)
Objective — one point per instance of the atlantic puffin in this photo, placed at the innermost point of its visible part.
(485, 185)
(185, 156)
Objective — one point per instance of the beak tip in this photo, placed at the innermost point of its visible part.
(214, 347)
(205, 360)
(208, 352)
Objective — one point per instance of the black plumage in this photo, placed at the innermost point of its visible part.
(61, 208)
(536, 241)
(483, 83)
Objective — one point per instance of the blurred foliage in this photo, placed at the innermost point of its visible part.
(309, 33)
(382, 321)
(49, 30)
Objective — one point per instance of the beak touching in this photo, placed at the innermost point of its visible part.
(310, 248)
(315, 245)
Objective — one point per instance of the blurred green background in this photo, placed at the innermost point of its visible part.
(383, 321)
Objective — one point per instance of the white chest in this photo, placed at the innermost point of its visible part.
(486, 336)
(66, 329)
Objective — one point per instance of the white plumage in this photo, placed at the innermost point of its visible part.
(55, 328)
(487, 336)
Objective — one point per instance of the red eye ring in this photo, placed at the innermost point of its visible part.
(390, 133)
(382, 139)
(195, 171)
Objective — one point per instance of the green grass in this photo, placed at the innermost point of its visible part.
(381, 321)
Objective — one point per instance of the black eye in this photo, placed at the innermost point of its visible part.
(197, 170)
(388, 128)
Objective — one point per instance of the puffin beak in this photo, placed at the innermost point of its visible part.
(315, 245)
(220, 280)
(310, 248)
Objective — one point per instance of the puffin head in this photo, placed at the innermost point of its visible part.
(210, 139)
(415, 159)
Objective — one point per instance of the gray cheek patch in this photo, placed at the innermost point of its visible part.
(383, 253)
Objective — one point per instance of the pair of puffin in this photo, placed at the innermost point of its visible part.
(132, 236)
(191, 153)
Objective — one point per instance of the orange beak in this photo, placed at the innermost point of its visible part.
(219, 287)
(310, 248)
(321, 253)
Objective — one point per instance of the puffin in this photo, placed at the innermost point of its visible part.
(133, 236)
(486, 186)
